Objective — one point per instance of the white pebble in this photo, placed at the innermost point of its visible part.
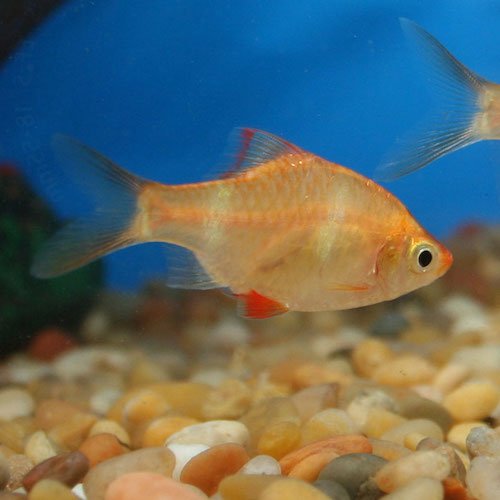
(483, 478)
(212, 433)
(183, 454)
(79, 491)
(262, 464)
(102, 400)
(39, 447)
(477, 359)
(15, 403)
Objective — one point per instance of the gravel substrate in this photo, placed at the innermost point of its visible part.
(173, 397)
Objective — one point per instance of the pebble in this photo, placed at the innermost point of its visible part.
(50, 489)
(388, 450)
(158, 460)
(313, 399)
(231, 399)
(14, 433)
(291, 489)
(459, 432)
(483, 477)
(279, 438)
(15, 402)
(261, 464)
(245, 486)
(483, 441)
(424, 427)
(207, 469)
(103, 400)
(39, 447)
(160, 429)
(363, 399)
(327, 423)
(338, 445)
(333, 489)
(472, 400)
(4, 472)
(378, 421)
(266, 413)
(150, 486)
(50, 343)
(143, 406)
(416, 407)
(187, 398)
(211, 433)
(418, 489)
(110, 427)
(51, 412)
(369, 354)
(67, 468)
(70, 434)
(457, 467)
(87, 361)
(450, 376)
(395, 474)
(19, 466)
(405, 371)
(352, 470)
(183, 454)
(100, 447)
(478, 359)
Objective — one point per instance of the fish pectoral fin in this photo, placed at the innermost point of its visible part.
(350, 287)
(256, 306)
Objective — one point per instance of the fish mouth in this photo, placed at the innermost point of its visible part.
(446, 259)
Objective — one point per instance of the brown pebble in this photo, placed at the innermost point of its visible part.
(100, 447)
(309, 468)
(67, 468)
(9, 495)
(337, 444)
(47, 344)
(207, 469)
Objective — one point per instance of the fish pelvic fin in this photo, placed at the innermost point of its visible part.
(110, 227)
(457, 120)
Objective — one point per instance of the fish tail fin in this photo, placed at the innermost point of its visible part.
(458, 118)
(110, 227)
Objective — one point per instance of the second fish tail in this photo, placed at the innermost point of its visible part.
(458, 119)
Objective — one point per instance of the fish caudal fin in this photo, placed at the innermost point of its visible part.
(108, 228)
(455, 123)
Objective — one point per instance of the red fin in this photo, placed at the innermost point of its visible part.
(256, 306)
(250, 147)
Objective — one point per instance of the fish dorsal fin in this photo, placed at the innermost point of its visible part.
(250, 147)
(184, 271)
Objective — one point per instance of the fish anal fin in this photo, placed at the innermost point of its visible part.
(256, 306)
(249, 147)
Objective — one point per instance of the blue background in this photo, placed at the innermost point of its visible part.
(157, 85)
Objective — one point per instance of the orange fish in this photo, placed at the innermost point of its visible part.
(285, 230)
(468, 110)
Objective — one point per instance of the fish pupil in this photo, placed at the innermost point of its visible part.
(424, 258)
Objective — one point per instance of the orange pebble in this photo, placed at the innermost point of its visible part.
(100, 447)
(149, 485)
(455, 490)
(207, 469)
(309, 468)
(340, 445)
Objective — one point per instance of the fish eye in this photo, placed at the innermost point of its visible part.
(422, 257)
